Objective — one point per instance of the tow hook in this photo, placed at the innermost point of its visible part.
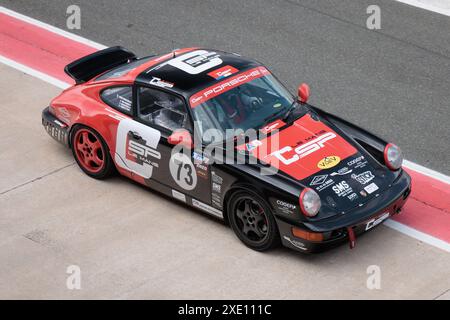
(351, 237)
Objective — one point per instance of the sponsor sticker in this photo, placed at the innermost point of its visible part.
(223, 72)
(216, 178)
(342, 189)
(371, 188)
(353, 196)
(204, 207)
(318, 180)
(253, 145)
(376, 221)
(341, 172)
(272, 126)
(295, 243)
(358, 162)
(216, 187)
(178, 195)
(308, 148)
(364, 177)
(160, 83)
(202, 170)
(226, 85)
(286, 207)
(328, 162)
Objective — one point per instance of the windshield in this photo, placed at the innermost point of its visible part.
(248, 100)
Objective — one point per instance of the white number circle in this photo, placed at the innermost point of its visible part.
(183, 171)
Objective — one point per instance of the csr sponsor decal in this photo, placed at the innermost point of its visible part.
(272, 126)
(228, 84)
(140, 152)
(196, 62)
(376, 221)
(137, 147)
(223, 72)
(305, 149)
(364, 177)
(296, 149)
(328, 162)
(161, 83)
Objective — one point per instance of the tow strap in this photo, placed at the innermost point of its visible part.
(351, 237)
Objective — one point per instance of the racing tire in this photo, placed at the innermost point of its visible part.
(252, 221)
(91, 153)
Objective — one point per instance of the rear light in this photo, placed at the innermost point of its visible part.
(51, 110)
(310, 236)
(309, 202)
(393, 157)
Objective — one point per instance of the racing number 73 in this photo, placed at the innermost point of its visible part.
(183, 171)
(188, 176)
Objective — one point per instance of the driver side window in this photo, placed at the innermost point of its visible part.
(162, 109)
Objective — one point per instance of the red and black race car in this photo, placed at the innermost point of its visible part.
(220, 133)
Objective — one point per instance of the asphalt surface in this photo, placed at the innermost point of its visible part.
(132, 243)
(394, 81)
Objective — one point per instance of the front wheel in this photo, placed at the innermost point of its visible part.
(252, 221)
(91, 153)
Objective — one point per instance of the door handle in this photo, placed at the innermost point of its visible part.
(135, 135)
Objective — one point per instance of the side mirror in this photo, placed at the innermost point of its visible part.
(303, 93)
(181, 136)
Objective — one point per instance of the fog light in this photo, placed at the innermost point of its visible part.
(310, 236)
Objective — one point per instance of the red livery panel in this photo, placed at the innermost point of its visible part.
(304, 148)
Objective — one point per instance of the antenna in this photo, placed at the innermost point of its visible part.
(173, 49)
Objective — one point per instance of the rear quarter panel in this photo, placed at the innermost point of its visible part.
(81, 104)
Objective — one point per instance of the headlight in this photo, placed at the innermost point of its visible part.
(393, 156)
(310, 202)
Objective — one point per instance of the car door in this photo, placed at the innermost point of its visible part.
(146, 151)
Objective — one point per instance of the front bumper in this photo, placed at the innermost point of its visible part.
(340, 228)
(55, 127)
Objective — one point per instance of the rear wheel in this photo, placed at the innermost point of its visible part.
(91, 153)
(252, 221)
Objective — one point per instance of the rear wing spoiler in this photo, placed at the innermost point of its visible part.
(88, 67)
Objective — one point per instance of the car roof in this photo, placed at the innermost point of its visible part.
(193, 69)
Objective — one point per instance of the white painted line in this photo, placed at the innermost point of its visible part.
(438, 6)
(438, 243)
(34, 73)
(426, 171)
(51, 28)
(390, 223)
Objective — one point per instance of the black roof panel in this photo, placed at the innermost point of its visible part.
(192, 71)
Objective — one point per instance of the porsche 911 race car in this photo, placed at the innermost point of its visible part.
(179, 122)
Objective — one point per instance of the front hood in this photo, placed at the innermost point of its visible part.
(316, 156)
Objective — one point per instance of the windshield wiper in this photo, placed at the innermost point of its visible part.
(278, 114)
(293, 106)
(273, 116)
